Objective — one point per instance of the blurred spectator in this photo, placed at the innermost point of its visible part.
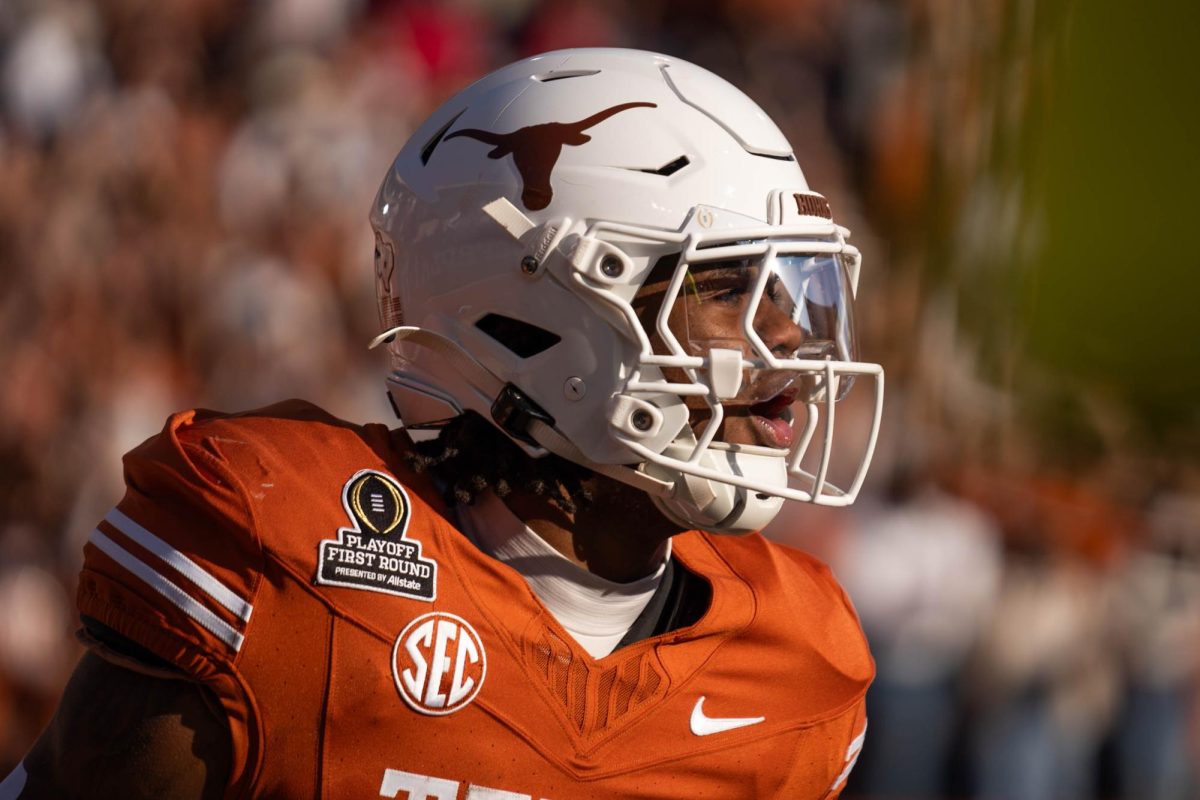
(1045, 680)
(51, 68)
(924, 569)
(36, 649)
(1158, 620)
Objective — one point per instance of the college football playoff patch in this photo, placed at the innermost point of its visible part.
(374, 553)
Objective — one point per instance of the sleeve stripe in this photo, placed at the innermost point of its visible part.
(857, 744)
(214, 624)
(852, 754)
(184, 565)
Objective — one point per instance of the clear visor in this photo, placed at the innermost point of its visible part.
(765, 333)
(757, 339)
(778, 312)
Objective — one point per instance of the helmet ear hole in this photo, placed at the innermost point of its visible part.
(521, 338)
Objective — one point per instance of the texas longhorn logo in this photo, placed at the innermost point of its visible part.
(535, 149)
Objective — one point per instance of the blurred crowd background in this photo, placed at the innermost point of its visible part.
(183, 198)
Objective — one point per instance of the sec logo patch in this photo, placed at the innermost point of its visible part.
(438, 663)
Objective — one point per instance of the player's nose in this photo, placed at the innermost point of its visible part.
(779, 333)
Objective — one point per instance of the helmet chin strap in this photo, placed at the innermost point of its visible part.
(719, 507)
(551, 439)
(689, 501)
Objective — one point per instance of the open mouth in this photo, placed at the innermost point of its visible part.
(773, 419)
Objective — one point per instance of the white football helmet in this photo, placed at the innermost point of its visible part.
(614, 256)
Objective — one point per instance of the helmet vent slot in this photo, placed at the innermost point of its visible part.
(558, 75)
(520, 337)
(436, 139)
(670, 168)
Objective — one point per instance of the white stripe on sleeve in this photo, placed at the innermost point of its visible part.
(214, 624)
(852, 753)
(184, 565)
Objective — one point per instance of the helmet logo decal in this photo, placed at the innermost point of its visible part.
(535, 149)
(391, 311)
(812, 205)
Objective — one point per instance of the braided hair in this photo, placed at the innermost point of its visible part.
(469, 456)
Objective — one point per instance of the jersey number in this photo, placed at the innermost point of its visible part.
(427, 787)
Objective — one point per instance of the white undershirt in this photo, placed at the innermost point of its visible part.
(596, 612)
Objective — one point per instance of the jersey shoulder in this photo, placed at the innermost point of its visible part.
(281, 438)
(800, 611)
(175, 566)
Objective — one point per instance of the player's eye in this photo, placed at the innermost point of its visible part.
(727, 291)
(773, 291)
(730, 297)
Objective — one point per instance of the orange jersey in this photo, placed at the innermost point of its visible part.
(362, 647)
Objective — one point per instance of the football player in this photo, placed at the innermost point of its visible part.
(619, 322)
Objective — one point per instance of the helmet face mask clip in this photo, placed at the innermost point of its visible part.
(688, 333)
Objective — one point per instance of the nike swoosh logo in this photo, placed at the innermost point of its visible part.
(706, 726)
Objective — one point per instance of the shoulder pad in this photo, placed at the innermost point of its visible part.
(798, 600)
(174, 565)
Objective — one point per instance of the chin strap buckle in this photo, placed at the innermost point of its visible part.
(514, 412)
